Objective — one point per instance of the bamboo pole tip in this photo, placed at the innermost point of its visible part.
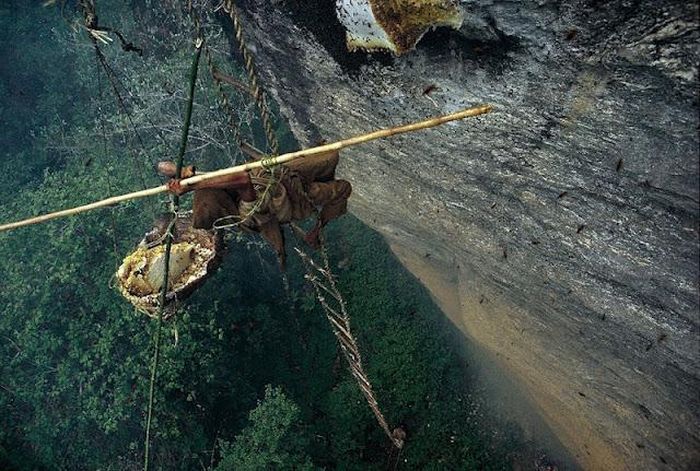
(485, 108)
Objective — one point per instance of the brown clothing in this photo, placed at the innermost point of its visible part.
(303, 186)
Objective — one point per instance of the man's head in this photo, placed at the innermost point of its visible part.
(168, 168)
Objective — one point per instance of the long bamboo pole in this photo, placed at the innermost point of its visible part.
(334, 146)
(168, 249)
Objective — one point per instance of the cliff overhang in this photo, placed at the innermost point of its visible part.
(567, 219)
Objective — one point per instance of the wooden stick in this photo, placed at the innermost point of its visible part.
(334, 146)
(168, 249)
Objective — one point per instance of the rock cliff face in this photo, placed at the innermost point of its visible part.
(567, 219)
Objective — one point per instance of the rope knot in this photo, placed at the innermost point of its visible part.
(268, 162)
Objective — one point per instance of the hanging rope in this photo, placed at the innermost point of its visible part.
(335, 308)
(258, 94)
(168, 246)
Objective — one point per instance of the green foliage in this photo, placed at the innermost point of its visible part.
(273, 440)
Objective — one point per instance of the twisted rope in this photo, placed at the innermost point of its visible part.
(248, 62)
(334, 306)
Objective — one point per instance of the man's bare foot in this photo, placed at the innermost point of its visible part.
(168, 168)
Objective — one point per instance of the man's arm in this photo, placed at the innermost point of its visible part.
(239, 182)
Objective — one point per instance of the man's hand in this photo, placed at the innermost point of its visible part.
(175, 187)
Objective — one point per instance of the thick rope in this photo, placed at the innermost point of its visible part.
(168, 247)
(256, 90)
(288, 157)
(224, 100)
(335, 308)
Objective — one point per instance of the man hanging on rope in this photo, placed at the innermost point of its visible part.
(261, 200)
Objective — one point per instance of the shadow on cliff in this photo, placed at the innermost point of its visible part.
(493, 54)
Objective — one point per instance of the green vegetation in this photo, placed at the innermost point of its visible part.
(75, 357)
(274, 438)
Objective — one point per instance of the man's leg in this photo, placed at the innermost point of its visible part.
(210, 205)
(315, 168)
(272, 232)
(333, 198)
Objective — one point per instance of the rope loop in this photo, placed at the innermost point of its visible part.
(268, 162)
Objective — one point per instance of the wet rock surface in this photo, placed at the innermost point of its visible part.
(573, 207)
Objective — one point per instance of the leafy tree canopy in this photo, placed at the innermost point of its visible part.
(274, 439)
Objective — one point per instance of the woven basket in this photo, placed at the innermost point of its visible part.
(195, 254)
